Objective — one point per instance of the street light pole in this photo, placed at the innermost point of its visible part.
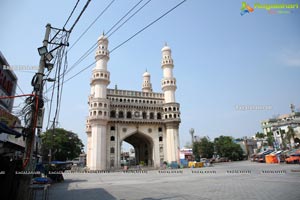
(38, 91)
(36, 116)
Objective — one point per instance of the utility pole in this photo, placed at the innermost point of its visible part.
(28, 163)
(38, 91)
(192, 131)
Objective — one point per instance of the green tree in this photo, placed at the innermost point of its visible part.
(260, 135)
(65, 145)
(225, 147)
(270, 138)
(283, 138)
(203, 148)
(290, 134)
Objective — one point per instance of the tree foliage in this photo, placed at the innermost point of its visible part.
(203, 148)
(65, 145)
(290, 134)
(225, 147)
(260, 135)
(270, 138)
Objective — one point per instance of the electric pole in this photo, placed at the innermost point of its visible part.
(38, 91)
(36, 109)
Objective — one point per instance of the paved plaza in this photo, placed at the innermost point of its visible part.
(234, 180)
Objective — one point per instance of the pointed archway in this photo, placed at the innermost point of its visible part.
(143, 148)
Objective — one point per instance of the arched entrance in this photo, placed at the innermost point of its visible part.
(143, 148)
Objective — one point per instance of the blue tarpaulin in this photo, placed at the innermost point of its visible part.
(5, 129)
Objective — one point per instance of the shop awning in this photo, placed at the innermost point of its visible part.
(5, 129)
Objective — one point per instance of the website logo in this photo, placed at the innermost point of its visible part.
(246, 8)
(275, 8)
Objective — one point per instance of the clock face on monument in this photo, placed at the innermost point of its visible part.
(136, 114)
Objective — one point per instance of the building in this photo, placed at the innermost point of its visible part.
(248, 146)
(147, 120)
(279, 126)
(8, 122)
(186, 154)
(8, 83)
(11, 143)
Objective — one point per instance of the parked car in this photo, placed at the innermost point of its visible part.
(293, 159)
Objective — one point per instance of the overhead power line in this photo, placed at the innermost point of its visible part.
(124, 16)
(134, 35)
(129, 18)
(94, 46)
(20, 88)
(84, 32)
(84, 8)
(71, 13)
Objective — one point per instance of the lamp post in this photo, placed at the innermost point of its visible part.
(192, 131)
(36, 118)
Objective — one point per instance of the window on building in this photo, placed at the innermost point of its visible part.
(144, 115)
(151, 115)
(121, 114)
(129, 115)
(112, 138)
(160, 138)
(159, 129)
(112, 150)
(158, 116)
(112, 128)
(113, 114)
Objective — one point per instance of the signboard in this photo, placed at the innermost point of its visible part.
(10, 121)
(8, 82)
(182, 156)
(7, 118)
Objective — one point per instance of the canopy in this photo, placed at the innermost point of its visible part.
(5, 129)
(265, 152)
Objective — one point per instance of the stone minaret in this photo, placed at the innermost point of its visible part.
(171, 108)
(147, 86)
(98, 109)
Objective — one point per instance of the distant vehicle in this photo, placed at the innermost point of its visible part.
(260, 157)
(223, 159)
(293, 159)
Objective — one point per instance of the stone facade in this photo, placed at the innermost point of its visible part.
(147, 120)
